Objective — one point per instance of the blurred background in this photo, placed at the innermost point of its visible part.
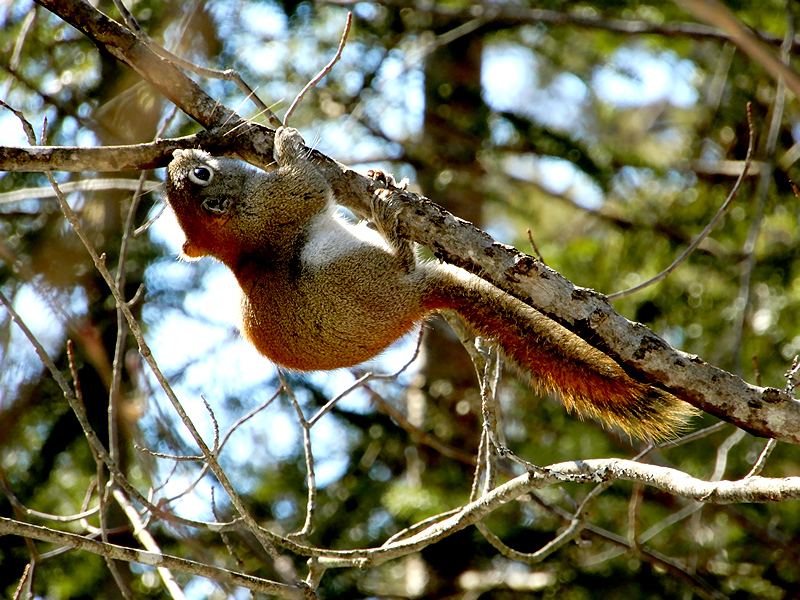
(614, 149)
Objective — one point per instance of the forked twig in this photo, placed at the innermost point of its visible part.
(363, 380)
(226, 75)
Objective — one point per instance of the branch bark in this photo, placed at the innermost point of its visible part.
(73, 159)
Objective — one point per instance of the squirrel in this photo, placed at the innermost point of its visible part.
(320, 293)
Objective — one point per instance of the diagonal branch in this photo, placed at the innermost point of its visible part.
(717, 14)
(165, 561)
(163, 75)
(763, 411)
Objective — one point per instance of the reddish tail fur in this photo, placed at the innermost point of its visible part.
(588, 381)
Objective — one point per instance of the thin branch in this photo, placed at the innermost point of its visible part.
(114, 552)
(84, 185)
(762, 458)
(634, 514)
(511, 14)
(226, 75)
(754, 489)
(27, 575)
(16, 53)
(495, 440)
(576, 525)
(97, 446)
(239, 422)
(690, 437)
(421, 436)
(764, 183)
(363, 380)
(99, 484)
(327, 69)
(114, 394)
(43, 515)
(711, 224)
(149, 542)
(671, 566)
(311, 479)
(152, 155)
(535, 248)
(721, 460)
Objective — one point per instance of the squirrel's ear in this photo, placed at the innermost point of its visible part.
(190, 252)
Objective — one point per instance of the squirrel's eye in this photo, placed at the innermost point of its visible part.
(201, 175)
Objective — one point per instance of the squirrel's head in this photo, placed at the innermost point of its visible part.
(204, 192)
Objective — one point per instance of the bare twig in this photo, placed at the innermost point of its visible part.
(84, 185)
(99, 484)
(492, 439)
(711, 224)
(112, 551)
(27, 575)
(189, 488)
(114, 394)
(327, 69)
(311, 479)
(532, 242)
(43, 515)
(721, 461)
(762, 458)
(226, 75)
(16, 53)
(149, 542)
(791, 375)
(94, 441)
(634, 520)
(576, 525)
(421, 436)
(764, 183)
(363, 380)
(515, 14)
(690, 437)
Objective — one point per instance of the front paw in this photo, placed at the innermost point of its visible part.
(386, 206)
(385, 209)
(289, 145)
(386, 180)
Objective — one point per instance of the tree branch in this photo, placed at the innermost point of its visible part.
(715, 13)
(751, 489)
(762, 411)
(160, 561)
(152, 155)
(164, 76)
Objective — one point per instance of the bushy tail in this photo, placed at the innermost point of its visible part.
(556, 360)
